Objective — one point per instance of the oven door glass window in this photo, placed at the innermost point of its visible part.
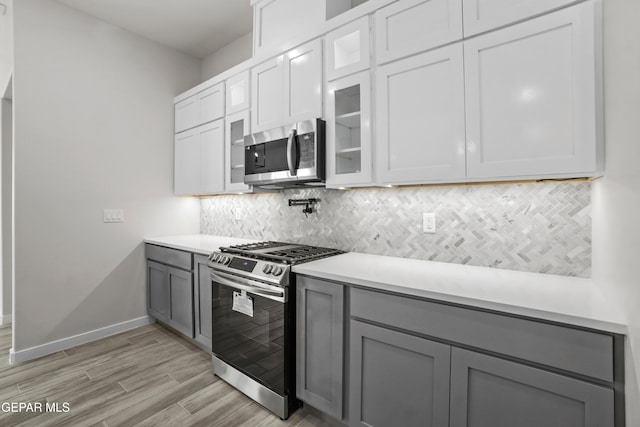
(251, 344)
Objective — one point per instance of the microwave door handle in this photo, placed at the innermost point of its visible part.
(292, 152)
(260, 291)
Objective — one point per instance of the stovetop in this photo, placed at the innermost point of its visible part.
(288, 253)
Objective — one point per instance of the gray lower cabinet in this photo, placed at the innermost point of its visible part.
(202, 303)
(397, 379)
(490, 392)
(170, 288)
(319, 344)
(157, 291)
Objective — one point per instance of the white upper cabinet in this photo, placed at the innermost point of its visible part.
(288, 88)
(199, 160)
(349, 146)
(484, 15)
(267, 97)
(276, 22)
(236, 127)
(238, 94)
(533, 99)
(303, 82)
(411, 26)
(203, 107)
(347, 49)
(420, 118)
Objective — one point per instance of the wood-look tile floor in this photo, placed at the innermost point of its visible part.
(144, 377)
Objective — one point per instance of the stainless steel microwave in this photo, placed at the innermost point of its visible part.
(290, 156)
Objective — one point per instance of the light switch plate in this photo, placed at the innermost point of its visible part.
(113, 215)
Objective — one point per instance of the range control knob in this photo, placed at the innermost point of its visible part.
(267, 269)
(277, 271)
(226, 260)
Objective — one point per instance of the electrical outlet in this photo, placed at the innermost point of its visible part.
(237, 214)
(113, 215)
(429, 222)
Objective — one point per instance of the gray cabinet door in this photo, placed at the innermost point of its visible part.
(157, 291)
(319, 342)
(491, 392)
(202, 302)
(181, 300)
(397, 379)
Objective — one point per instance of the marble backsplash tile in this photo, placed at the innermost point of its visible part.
(543, 227)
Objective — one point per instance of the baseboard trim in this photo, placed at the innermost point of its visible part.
(84, 338)
(6, 319)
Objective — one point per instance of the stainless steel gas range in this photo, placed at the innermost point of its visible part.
(253, 319)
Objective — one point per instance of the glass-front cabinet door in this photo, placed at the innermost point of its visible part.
(237, 126)
(349, 157)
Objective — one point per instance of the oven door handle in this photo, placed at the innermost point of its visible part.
(261, 290)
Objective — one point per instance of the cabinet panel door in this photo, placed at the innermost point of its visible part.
(491, 392)
(181, 297)
(319, 342)
(236, 127)
(186, 172)
(238, 92)
(420, 118)
(157, 291)
(267, 95)
(187, 114)
(531, 97)
(211, 103)
(484, 15)
(347, 49)
(409, 27)
(303, 82)
(397, 379)
(212, 157)
(202, 301)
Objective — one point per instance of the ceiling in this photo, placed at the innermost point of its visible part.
(196, 27)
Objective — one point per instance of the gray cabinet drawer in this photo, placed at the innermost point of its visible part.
(573, 350)
(169, 256)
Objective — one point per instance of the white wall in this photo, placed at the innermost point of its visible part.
(616, 197)
(230, 55)
(6, 183)
(6, 43)
(93, 114)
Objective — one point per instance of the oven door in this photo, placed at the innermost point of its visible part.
(248, 328)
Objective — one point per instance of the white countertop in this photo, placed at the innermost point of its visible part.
(556, 298)
(198, 243)
(562, 299)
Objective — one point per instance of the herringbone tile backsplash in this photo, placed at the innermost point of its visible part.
(543, 228)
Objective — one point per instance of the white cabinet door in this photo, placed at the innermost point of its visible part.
(532, 97)
(187, 178)
(349, 147)
(199, 160)
(267, 81)
(236, 127)
(212, 157)
(348, 49)
(420, 118)
(277, 22)
(203, 107)
(187, 114)
(237, 91)
(303, 82)
(484, 15)
(407, 27)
